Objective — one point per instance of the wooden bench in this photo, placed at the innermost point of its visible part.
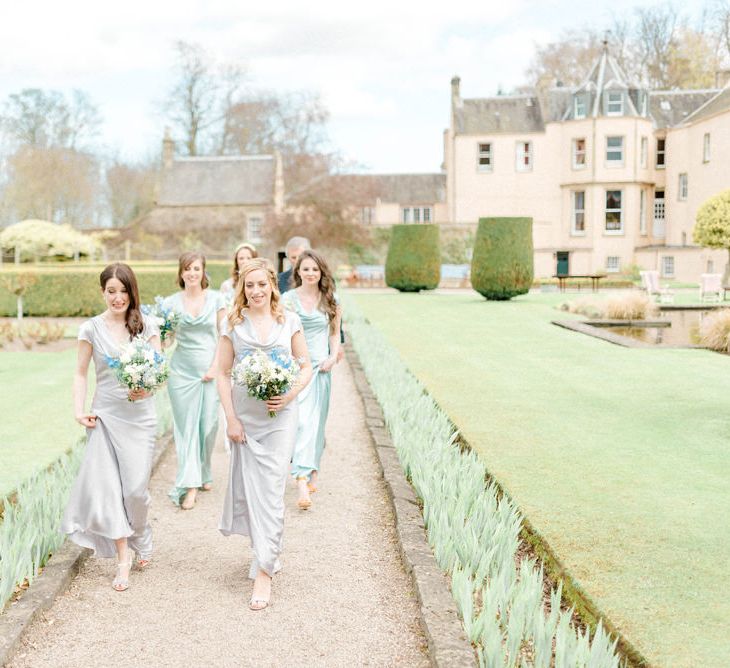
(595, 278)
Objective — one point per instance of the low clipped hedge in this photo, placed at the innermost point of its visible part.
(414, 258)
(502, 263)
(74, 291)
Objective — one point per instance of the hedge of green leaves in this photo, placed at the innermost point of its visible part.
(473, 528)
(29, 531)
(74, 291)
(502, 261)
(414, 258)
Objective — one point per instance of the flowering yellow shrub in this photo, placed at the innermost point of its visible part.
(39, 238)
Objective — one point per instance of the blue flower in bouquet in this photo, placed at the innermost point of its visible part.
(265, 375)
(139, 366)
(166, 318)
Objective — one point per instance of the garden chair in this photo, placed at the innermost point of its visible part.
(650, 283)
(711, 288)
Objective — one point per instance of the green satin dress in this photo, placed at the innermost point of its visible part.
(194, 402)
(313, 400)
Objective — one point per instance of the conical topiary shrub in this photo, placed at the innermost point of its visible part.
(502, 263)
(414, 258)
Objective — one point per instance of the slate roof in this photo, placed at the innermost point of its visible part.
(364, 189)
(513, 114)
(719, 102)
(206, 181)
(502, 114)
(408, 188)
(669, 107)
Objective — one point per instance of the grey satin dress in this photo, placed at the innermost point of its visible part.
(110, 498)
(258, 468)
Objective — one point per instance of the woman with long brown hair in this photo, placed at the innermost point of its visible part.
(313, 299)
(261, 446)
(193, 396)
(243, 252)
(107, 509)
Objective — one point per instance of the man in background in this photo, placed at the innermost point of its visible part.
(294, 248)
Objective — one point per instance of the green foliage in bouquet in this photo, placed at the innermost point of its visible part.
(70, 291)
(502, 263)
(414, 259)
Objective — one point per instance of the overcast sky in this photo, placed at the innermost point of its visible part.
(383, 67)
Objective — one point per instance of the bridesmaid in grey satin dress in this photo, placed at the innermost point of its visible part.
(261, 446)
(107, 508)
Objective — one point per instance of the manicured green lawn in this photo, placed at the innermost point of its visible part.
(619, 457)
(37, 422)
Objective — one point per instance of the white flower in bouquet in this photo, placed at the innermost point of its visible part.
(266, 375)
(140, 367)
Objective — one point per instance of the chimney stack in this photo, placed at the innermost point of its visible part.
(455, 92)
(168, 150)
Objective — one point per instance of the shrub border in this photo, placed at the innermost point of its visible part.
(55, 579)
(447, 641)
(572, 593)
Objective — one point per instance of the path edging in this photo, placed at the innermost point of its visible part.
(447, 642)
(55, 579)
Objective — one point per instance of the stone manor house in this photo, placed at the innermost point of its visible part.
(612, 175)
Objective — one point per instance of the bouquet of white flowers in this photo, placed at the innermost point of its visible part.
(139, 366)
(166, 318)
(266, 375)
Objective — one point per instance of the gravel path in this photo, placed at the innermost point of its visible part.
(343, 598)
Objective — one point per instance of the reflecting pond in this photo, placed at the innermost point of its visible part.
(681, 328)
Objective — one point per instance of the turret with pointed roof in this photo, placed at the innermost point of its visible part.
(607, 91)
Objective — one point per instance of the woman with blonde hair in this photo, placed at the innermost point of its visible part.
(313, 299)
(243, 252)
(193, 396)
(261, 446)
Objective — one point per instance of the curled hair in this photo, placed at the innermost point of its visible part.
(326, 285)
(123, 273)
(240, 301)
(236, 270)
(186, 259)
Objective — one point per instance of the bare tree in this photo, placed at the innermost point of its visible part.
(45, 118)
(655, 47)
(294, 124)
(55, 184)
(196, 106)
(567, 60)
(719, 19)
(129, 191)
(656, 41)
(327, 209)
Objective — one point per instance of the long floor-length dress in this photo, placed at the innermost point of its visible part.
(258, 470)
(313, 400)
(110, 497)
(194, 402)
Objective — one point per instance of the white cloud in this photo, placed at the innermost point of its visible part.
(383, 67)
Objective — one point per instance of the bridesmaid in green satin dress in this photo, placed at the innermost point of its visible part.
(193, 395)
(314, 301)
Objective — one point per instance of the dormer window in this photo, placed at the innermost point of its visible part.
(579, 106)
(614, 103)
